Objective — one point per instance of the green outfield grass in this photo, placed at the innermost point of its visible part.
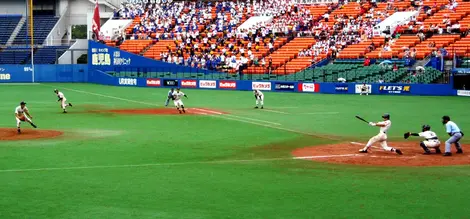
(220, 166)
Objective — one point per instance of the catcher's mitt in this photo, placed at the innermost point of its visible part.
(406, 135)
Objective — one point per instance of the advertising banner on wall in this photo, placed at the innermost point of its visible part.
(189, 83)
(284, 86)
(465, 93)
(309, 87)
(207, 84)
(395, 89)
(261, 85)
(154, 82)
(170, 83)
(228, 84)
(128, 81)
(341, 88)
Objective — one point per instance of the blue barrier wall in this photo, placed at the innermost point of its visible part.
(277, 86)
(43, 73)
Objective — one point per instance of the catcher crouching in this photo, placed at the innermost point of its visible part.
(432, 141)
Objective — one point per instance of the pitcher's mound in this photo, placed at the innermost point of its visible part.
(348, 153)
(10, 134)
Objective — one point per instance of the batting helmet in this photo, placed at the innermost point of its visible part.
(426, 128)
(446, 118)
(386, 116)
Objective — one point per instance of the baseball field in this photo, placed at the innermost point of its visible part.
(119, 153)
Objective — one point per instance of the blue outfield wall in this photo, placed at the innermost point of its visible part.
(277, 86)
(43, 73)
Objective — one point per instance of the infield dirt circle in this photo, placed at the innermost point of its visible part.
(10, 134)
(347, 153)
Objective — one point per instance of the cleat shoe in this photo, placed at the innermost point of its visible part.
(398, 151)
(19, 131)
(180, 112)
(438, 151)
(65, 111)
(446, 154)
(70, 104)
(262, 107)
(459, 151)
(427, 153)
(256, 107)
(184, 111)
(362, 151)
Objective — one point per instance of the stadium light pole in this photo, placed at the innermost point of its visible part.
(29, 6)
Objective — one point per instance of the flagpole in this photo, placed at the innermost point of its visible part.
(31, 33)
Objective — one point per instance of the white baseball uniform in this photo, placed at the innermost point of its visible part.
(21, 112)
(431, 139)
(177, 101)
(382, 136)
(60, 95)
(259, 97)
(364, 90)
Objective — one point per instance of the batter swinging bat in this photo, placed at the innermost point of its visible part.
(360, 118)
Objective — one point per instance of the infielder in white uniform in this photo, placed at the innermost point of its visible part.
(432, 141)
(382, 136)
(259, 96)
(62, 100)
(364, 90)
(177, 95)
(22, 115)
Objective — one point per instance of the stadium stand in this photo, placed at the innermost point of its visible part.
(8, 23)
(47, 54)
(42, 27)
(205, 35)
(14, 55)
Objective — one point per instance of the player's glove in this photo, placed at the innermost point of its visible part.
(406, 135)
(59, 99)
(372, 124)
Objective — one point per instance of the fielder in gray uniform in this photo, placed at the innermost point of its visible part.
(455, 135)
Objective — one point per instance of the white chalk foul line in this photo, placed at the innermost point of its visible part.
(275, 111)
(238, 117)
(170, 164)
(322, 113)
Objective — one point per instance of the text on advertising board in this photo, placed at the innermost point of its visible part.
(188, 83)
(128, 81)
(228, 84)
(309, 87)
(5, 77)
(392, 89)
(154, 82)
(284, 86)
(465, 93)
(207, 84)
(261, 85)
(342, 88)
(170, 83)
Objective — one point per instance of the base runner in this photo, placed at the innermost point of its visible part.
(259, 96)
(382, 136)
(432, 141)
(62, 100)
(169, 96)
(22, 115)
(177, 95)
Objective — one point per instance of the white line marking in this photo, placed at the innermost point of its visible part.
(258, 120)
(144, 165)
(326, 156)
(107, 96)
(321, 113)
(209, 111)
(21, 84)
(284, 107)
(275, 111)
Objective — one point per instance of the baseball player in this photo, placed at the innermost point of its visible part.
(259, 96)
(62, 100)
(364, 90)
(455, 135)
(382, 136)
(22, 115)
(177, 95)
(169, 96)
(432, 141)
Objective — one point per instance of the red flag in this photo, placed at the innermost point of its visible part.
(96, 21)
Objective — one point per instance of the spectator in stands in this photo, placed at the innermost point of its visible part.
(395, 67)
(366, 61)
(432, 44)
(421, 36)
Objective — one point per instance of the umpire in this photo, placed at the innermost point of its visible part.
(455, 135)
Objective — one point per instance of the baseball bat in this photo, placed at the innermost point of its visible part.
(360, 118)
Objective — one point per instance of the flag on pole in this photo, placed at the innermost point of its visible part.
(96, 21)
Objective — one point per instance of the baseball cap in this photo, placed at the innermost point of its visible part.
(23, 103)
